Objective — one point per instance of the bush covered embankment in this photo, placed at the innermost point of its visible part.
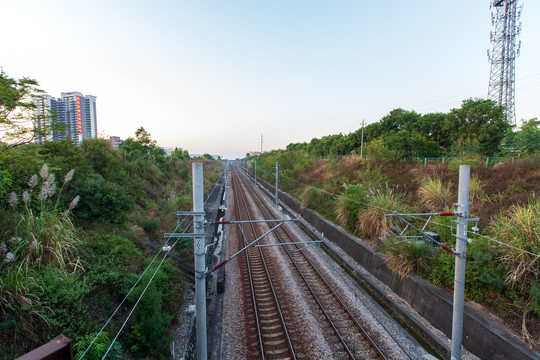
(503, 256)
(75, 222)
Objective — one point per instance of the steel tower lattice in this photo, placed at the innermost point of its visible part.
(505, 29)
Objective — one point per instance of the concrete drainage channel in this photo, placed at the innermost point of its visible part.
(483, 336)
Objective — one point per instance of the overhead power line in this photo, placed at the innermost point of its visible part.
(394, 211)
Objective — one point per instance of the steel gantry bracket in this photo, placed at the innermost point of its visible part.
(425, 234)
(254, 242)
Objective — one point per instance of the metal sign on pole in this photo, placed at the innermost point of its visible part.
(461, 252)
(200, 264)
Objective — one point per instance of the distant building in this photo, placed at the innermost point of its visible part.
(73, 117)
(168, 150)
(116, 142)
(253, 153)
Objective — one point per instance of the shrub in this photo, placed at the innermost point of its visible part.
(65, 293)
(371, 220)
(407, 257)
(102, 201)
(371, 176)
(347, 206)
(148, 336)
(436, 195)
(155, 311)
(474, 162)
(519, 227)
(99, 347)
(149, 225)
(108, 258)
(312, 196)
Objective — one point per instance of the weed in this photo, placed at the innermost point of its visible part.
(436, 195)
(519, 227)
(405, 258)
(372, 221)
(347, 206)
(312, 196)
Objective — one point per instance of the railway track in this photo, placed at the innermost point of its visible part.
(351, 338)
(268, 335)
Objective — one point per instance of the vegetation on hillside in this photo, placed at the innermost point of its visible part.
(477, 128)
(78, 225)
(503, 257)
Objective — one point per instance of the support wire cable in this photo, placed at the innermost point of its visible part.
(488, 300)
(140, 297)
(135, 306)
(414, 217)
(125, 297)
(179, 223)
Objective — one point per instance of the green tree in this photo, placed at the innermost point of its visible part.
(406, 143)
(180, 154)
(18, 124)
(101, 201)
(527, 140)
(63, 156)
(143, 146)
(481, 120)
(104, 159)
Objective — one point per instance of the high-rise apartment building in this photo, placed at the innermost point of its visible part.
(73, 116)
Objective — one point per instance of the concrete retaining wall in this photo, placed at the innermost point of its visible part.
(481, 335)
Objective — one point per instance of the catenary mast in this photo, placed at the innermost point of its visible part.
(505, 29)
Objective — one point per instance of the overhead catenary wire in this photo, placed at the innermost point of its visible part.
(125, 297)
(179, 223)
(394, 211)
(437, 270)
(135, 306)
(488, 300)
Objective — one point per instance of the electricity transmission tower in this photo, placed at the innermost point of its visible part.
(505, 29)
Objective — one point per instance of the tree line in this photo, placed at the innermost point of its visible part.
(477, 128)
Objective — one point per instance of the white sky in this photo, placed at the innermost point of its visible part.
(212, 76)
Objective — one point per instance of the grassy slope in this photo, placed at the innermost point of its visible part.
(500, 188)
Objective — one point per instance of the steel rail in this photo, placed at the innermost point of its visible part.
(241, 200)
(254, 301)
(265, 210)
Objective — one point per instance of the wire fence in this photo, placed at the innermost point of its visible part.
(482, 161)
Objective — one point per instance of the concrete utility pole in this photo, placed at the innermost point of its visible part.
(461, 252)
(255, 172)
(362, 141)
(277, 184)
(200, 266)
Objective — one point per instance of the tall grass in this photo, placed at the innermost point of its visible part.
(44, 234)
(347, 206)
(312, 197)
(476, 190)
(372, 221)
(435, 195)
(405, 258)
(519, 227)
